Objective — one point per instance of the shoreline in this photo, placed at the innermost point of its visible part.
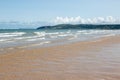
(88, 60)
(38, 46)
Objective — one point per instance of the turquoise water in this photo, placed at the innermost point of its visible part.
(41, 38)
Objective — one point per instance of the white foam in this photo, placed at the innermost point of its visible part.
(53, 36)
(19, 38)
(68, 31)
(91, 31)
(74, 37)
(41, 37)
(55, 33)
(40, 33)
(5, 40)
(35, 39)
(1, 40)
(11, 34)
(63, 35)
(110, 35)
(45, 42)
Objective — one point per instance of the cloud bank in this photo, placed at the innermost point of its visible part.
(80, 20)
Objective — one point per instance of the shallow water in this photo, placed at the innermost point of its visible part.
(92, 65)
(39, 38)
(100, 62)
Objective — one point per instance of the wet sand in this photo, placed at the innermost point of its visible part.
(92, 60)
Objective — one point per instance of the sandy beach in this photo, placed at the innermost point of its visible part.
(89, 60)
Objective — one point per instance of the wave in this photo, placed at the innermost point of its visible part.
(32, 39)
(38, 44)
(12, 34)
(40, 33)
(54, 36)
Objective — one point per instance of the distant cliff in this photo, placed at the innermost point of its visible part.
(82, 26)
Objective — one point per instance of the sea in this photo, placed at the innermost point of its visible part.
(29, 38)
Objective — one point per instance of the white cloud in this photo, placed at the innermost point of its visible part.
(79, 20)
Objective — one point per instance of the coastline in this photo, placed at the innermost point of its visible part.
(88, 60)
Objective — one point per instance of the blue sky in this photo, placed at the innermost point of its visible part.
(46, 10)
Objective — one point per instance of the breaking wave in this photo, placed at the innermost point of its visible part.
(41, 37)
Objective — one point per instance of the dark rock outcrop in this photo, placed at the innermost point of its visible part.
(82, 26)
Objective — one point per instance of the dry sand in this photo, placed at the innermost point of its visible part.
(92, 60)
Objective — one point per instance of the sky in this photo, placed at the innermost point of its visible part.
(54, 10)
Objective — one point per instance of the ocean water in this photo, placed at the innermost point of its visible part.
(25, 38)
